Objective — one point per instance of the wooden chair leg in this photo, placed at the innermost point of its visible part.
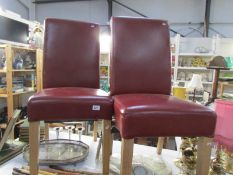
(203, 155)
(34, 138)
(106, 146)
(111, 143)
(126, 156)
(95, 129)
(160, 145)
(46, 131)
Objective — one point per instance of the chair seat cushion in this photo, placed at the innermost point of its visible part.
(70, 103)
(148, 115)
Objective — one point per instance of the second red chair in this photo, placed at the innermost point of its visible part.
(140, 83)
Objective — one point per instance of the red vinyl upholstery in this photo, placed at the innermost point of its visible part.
(148, 115)
(70, 75)
(140, 82)
(70, 103)
(71, 54)
(140, 57)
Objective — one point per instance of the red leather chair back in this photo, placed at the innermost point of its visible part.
(140, 57)
(71, 54)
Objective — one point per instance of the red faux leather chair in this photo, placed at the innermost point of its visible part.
(140, 83)
(71, 83)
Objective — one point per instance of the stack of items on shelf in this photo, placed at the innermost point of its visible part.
(104, 85)
(2, 85)
(193, 55)
(2, 66)
(2, 59)
(18, 84)
(29, 82)
(103, 71)
(3, 121)
(24, 132)
(196, 61)
(24, 60)
(104, 68)
(8, 146)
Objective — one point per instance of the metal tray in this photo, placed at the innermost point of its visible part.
(59, 152)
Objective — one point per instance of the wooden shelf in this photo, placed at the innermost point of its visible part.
(3, 95)
(24, 92)
(23, 48)
(23, 70)
(17, 93)
(2, 71)
(18, 47)
(3, 45)
(18, 70)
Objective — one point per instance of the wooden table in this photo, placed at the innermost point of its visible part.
(224, 85)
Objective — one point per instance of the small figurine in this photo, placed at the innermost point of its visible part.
(198, 62)
(189, 76)
(181, 76)
(18, 62)
(28, 64)
(2, 62)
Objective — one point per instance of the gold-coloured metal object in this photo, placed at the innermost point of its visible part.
(227, 161)
(216, 164)
(187, 161)
(223, 163)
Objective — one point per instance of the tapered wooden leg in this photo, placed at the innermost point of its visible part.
(95, 129)
(111, 143)
(126, 156)
(34, 138)
(106, 146)
(46, 131)
(160, 145)
(203, 155)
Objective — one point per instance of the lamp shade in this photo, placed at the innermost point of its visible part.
(195, 82)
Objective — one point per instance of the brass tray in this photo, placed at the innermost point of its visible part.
(59, 152)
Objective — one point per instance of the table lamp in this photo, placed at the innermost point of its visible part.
(195, 84)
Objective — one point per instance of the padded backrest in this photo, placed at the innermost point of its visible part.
(140, 56)
(71, 54)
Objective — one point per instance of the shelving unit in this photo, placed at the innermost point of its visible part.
(8, 73)
(191, 55)
(104, 71)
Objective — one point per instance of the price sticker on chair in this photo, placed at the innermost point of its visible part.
(95, 107)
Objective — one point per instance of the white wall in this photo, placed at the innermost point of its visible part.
(180, 13)
(221, 17)
(183, 15)
(16, 7)
(92, 11)
(177, 12)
